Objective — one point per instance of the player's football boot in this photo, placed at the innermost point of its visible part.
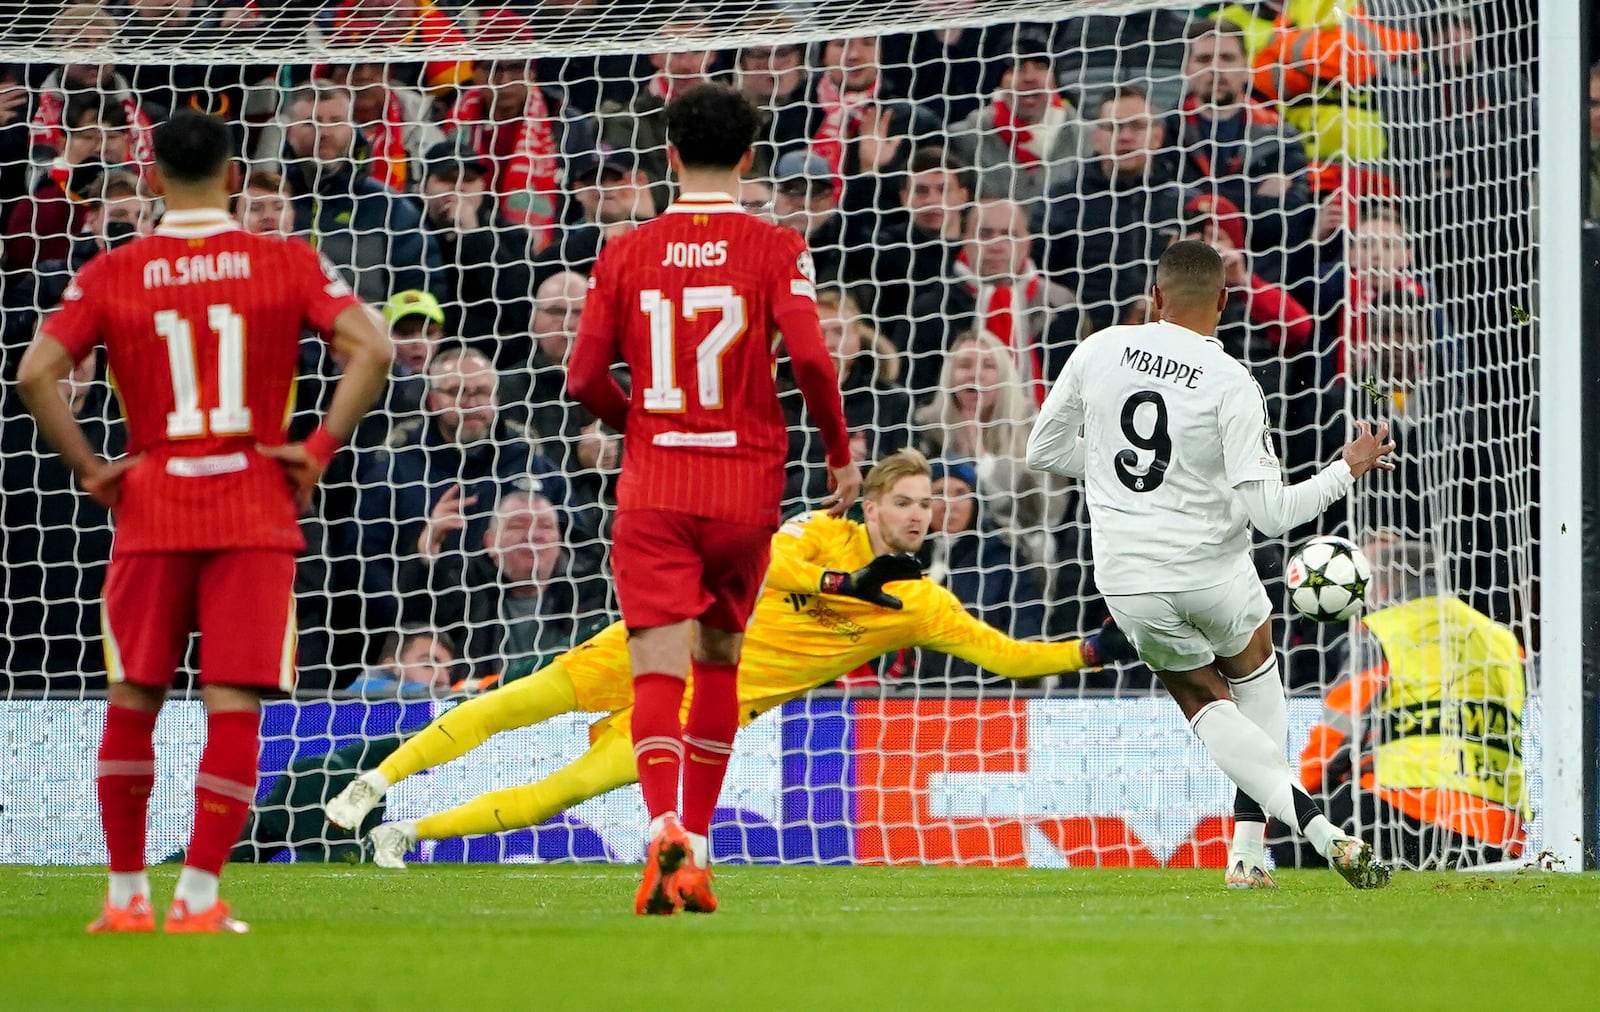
(216, 920)
(391, 842)
(1248, 873)
(135, 918)
(668, 853)
(347, 810)
(694, 889)
(1357, 864)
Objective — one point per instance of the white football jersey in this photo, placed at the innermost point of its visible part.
(1171, 424)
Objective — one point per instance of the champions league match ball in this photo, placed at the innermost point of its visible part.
(1328, 579)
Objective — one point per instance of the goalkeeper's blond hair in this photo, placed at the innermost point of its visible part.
(906, 463)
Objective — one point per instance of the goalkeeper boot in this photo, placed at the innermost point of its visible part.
(667, 856)
(216, 920)
(135, 918)
(1356, 863)
(360, 797)
(694, 888)
(391, 842)
(1248, 872)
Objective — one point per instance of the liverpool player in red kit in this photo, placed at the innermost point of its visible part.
(201, 324)
(693, 301)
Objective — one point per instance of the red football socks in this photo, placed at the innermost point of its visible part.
(708, 737)
(658, 739)
(224, 787)
(124, 779)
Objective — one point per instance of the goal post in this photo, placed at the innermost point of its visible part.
(983, 184)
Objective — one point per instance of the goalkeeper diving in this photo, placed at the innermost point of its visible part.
(838, 594)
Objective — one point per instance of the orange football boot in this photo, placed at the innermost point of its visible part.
(658, 892)
(694, 889)
(135, 918)
(214, 921)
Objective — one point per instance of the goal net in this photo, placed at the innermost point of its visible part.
(983, 185)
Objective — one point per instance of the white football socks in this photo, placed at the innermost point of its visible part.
(1249, 758)
(197, 889)
(659, 823)
(126, 886)
(1259, 696)
(700, 848)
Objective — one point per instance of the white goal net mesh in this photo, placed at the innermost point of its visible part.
(983, 185)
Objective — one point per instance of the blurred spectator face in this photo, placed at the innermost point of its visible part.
(91, 140)
(902, 513)
(852, 64)
(686, 64)
(1594, 107)
(461, 396)
(804, 205)
(1126, 135)
(1216, 70)
(87, 35)
(756, 198)
(135, 211)
(597, 448)
(422, 660)
(998, 244)
(524, 541)
(616, 197)
(300, 133)
(1028, 87)
(768, 72)
(448, 202)
(335, 131)
(839, 331)
(1458, 41)
(954, 506)
(510, 81)
(415, 338)
(369, 86)
(935, 199)
(974, 378)
(1379, 249)
(557, 308)
(265, 212)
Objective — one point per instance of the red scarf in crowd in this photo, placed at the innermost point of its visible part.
(391, 163)
(1019, 136)
(841, 119)
(523, 153)
(1003, 309)
(47, 131)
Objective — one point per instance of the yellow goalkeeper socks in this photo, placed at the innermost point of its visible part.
(526, 701)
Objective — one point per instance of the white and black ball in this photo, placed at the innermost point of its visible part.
(1328, 579)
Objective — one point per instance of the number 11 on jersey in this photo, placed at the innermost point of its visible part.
(663, 393)
(231, 417)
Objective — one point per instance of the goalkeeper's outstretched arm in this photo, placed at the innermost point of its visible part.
(951, 629)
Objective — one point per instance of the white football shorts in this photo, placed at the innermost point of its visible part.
(1188, 629)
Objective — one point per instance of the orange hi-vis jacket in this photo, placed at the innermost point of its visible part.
(1315, 45)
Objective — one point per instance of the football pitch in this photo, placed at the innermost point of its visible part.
(563, 936)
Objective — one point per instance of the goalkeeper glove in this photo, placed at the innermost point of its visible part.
(1107, 646)
(866, 583)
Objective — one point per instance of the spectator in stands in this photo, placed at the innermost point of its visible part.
(558, 306)
(915, 244)
(1380, 264)
(805, 199)
(983, 414)
(611, 194)
(639, 126)
(1027, 139)
(265, 207)
(290, 139)
(775, 77)
(994, 289)
(877, 409)
(232, 91)
(1103, 230)
(86, 26)
(521, 600)
(394, 120)
(416, 329)
(507, 121)
(397, 22)
(862, 133)
(945, 70)
(969, 556)
(484, 257)
(362, 227)
(755, 196)
(56, 542)
(119, 207)
(462, 448)
(1234, 147)
(14, 141)
(1413, 373)
(1594, 140)
(414, 662)
(41, 228)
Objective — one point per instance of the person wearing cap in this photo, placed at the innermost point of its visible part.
(1027, 138)
(610, 186)
(485, 256)
(805, 199)
(416, 327)
(1237, 148)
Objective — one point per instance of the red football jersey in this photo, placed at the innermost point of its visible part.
(694, 302)
(201, 323)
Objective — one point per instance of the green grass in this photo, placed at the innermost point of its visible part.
(554, 937)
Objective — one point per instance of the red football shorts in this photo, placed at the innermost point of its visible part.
(672, 566)
(240, 601)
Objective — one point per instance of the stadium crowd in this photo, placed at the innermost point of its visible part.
(977, 202)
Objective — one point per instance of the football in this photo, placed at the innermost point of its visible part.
(1328, 579)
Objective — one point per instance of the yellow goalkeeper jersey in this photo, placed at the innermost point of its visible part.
(800, 639)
